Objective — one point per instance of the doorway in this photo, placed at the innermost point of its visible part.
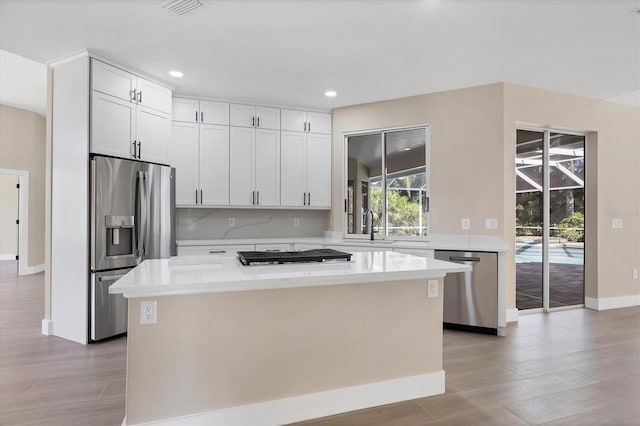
(550, 218)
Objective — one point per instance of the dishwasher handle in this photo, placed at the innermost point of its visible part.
(464, 259)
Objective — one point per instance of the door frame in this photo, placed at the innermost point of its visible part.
(23, 217)
(546, 194)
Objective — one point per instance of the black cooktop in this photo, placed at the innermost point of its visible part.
(316, 255)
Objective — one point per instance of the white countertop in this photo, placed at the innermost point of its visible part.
(437, 242)
(224, 273)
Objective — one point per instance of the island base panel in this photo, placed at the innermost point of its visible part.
(210, 352)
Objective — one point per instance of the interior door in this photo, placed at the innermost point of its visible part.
(318, 159)
(241, 166)
(267, 168)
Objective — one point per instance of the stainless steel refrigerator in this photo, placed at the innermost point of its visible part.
(132, 217)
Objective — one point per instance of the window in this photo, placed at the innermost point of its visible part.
(387, 183)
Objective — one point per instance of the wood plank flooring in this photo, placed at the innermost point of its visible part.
(570, 367)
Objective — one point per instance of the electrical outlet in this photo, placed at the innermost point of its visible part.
(433, 288)
(232, 222)
(296, 221)
(148, 312)
(466, 223)
(491, 223)
(634, 274)
(616, 223)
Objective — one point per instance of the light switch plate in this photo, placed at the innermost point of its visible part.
(491, 223)
(296, 221)
(466, 223)
(616, 223)
(433, 288)
(232, 222)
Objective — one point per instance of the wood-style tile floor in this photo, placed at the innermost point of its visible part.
(571, 367)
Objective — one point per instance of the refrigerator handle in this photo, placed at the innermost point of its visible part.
(142, 219)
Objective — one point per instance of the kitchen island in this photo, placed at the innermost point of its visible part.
(272, 344)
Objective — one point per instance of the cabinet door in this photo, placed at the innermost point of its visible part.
(318, 122)
(242, 115)
(318, 159)
(112, 81)
(183, 109)
(214, 112)
(153, 130)
(112, 125)
(292, 169)
(267, 169)
(183, 155)
(214, 164)
(152, 95)
(293, 120)
(268, 118)
(241, 166)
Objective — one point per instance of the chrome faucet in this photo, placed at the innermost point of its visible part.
(371, 223)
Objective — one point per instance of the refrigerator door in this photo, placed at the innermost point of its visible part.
(158, 225)
(115, 213)
(108, 311)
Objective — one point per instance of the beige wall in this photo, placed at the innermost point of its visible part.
(22, 147)
(472, 157)
(214, 351)
(8, 215)
(613, 180)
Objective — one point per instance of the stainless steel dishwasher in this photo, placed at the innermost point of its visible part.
(471, 298)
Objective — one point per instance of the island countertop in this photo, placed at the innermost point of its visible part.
(224, 273)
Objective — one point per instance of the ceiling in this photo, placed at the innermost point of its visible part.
(23, 83)
(289, 52)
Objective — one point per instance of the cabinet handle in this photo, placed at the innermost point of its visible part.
(196, 116)
(309, 126)
(253, 197)
(305, 126)
(304, 198)
(258, 197)
(258, 122)
(201, 116)
(139, 149)
(140, 96)
(196, 196)
(217, 251)
(308, 198)
(253, 122)
(135, 154)
(132, 94)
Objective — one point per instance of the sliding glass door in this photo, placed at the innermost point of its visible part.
(550, 216)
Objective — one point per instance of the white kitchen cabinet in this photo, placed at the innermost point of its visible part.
(255, 116)
(303, 121)
(200, 111)
(254, 165)
(200, 153)
(130, 116)
(305, 174)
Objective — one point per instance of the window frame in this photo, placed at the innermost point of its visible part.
(345, 183)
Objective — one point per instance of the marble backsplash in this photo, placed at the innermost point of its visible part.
(205, 224)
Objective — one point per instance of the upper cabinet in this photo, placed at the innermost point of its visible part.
(303, 121)
(130, 115)
(255, 116)
(195, 111)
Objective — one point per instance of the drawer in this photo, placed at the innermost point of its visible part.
(213, 250)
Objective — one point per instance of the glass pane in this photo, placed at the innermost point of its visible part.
(364, 183)
(406, 182)
(529, 184)
(566, 217)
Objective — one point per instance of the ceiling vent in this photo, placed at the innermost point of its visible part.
(180, 7)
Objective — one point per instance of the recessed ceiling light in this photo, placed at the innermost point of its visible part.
(177, 74)
(407, 149)
(330, 93)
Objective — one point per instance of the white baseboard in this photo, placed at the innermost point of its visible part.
(7, 257)
(604, 303)
(47, 327)
(512, 315)
(321, 404)
(32, 269)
